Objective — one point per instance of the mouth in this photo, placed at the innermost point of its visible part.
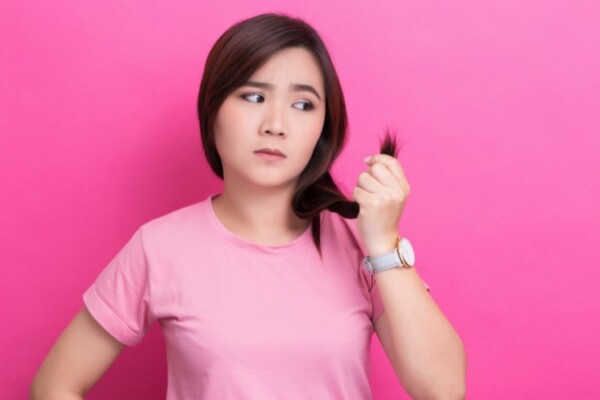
(271, 152)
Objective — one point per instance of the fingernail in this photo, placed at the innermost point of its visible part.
(368, 158)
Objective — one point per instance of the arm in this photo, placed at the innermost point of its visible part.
(78, 359)
(428, 354)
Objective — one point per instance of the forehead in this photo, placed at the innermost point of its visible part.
(289, 65)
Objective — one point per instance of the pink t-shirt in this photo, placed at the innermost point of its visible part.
(243, 320)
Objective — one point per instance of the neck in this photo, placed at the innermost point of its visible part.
(260, 213)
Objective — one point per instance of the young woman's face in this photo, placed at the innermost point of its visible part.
(277, 115)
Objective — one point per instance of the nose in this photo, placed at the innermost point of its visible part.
(274, 121)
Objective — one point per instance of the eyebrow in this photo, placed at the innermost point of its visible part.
(296, 87)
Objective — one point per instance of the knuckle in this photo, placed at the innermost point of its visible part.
(376, 202)
(362, 176)
(377, 167)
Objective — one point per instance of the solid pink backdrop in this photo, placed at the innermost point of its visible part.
(497, 103)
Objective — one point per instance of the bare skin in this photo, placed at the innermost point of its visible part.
(78, 359)
(255, 203)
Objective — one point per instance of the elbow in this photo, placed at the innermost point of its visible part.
(40, 388)
(455, 387)
(450, 391)
(40, 391)
(36, 392)
(457, 393)
(36, 389)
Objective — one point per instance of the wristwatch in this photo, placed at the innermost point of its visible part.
(403, 256)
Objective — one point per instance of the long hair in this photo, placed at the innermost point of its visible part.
(235, 56)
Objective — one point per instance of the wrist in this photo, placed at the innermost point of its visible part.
(382, 246)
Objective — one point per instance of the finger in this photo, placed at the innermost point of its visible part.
(368, 183)
(384, 175)
(361, 196)
(390, 162)
(358, 194)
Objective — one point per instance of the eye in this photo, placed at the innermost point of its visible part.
(259, 99)
(307, 105)
(251, 95)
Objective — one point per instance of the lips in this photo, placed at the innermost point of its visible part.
(268, 150)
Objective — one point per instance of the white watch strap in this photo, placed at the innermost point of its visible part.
(385, 261)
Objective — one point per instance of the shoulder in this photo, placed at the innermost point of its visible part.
(343, 229)
(175, 218)
(174, 226)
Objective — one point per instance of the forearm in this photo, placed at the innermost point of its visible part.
(429, 353)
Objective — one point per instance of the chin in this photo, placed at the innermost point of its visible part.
(266, 177)
(273, 180)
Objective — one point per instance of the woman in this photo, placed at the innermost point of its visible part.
(260, 290)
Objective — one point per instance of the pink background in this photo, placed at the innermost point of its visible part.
(498, 102)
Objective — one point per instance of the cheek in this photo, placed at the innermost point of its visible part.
(307, 147)
(224, 141)
(235, 123)
(312, 132)
(226, 128)
(316, 131)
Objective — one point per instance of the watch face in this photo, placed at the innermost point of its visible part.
(406, 251)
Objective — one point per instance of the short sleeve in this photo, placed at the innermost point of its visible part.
(119, 298)
(375, 300)
(368, 280)
(377, 307)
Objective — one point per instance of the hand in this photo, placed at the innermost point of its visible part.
(381, 193)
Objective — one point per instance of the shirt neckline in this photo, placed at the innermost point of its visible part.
(238, 241)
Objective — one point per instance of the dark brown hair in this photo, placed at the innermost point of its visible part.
(236, 55)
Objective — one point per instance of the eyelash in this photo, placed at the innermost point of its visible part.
(309, 105)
